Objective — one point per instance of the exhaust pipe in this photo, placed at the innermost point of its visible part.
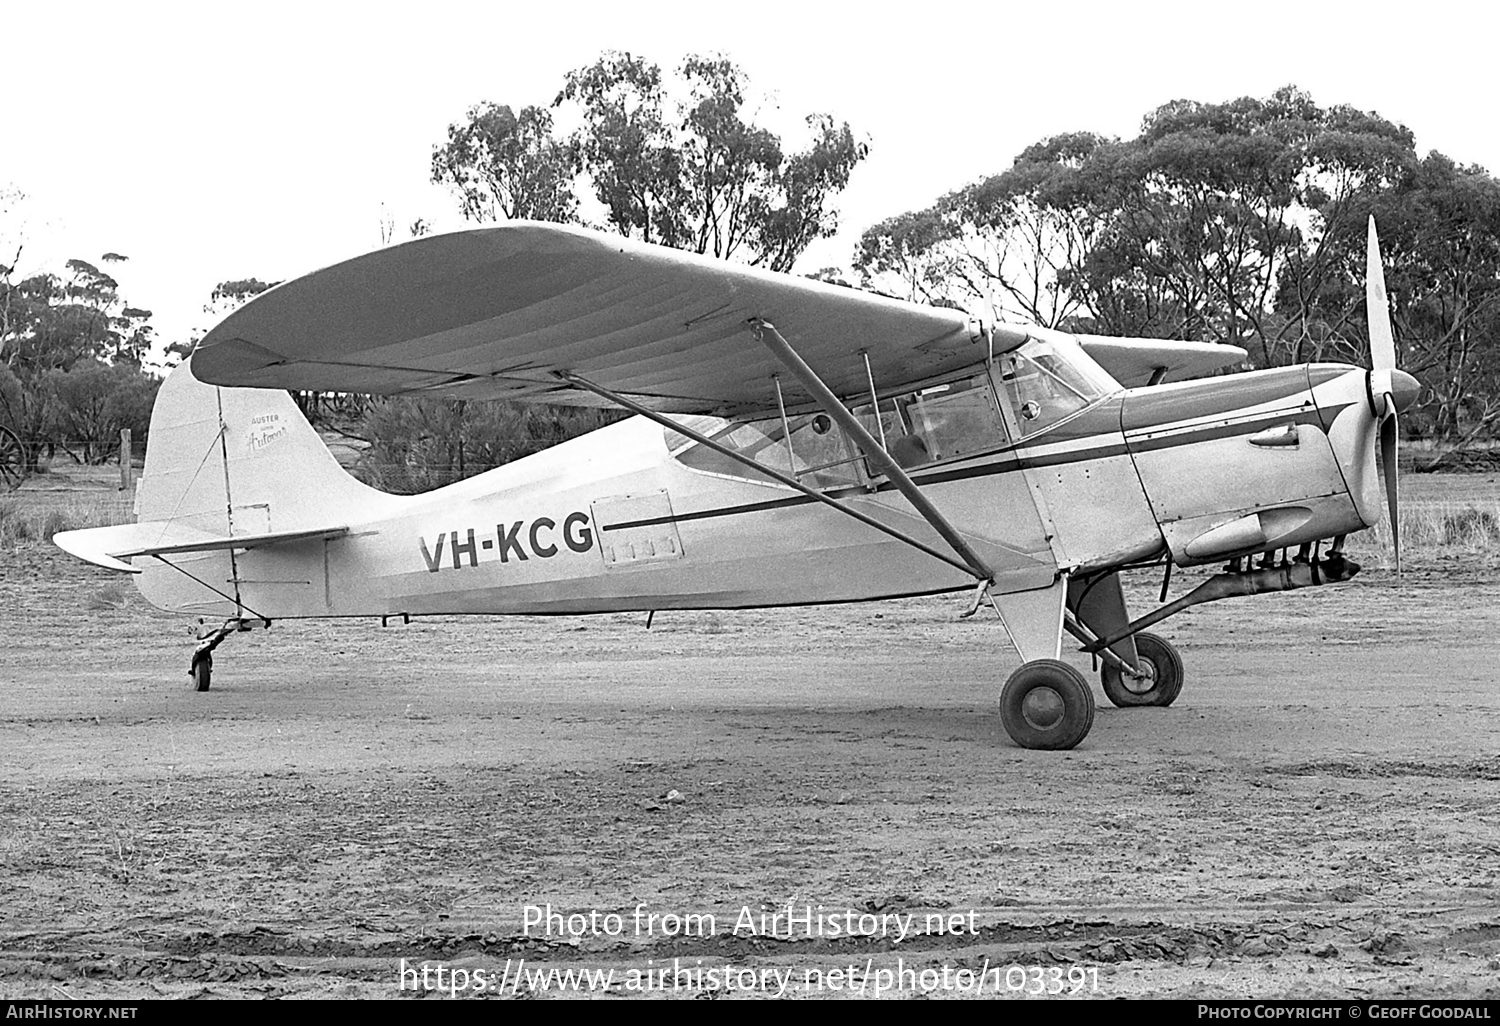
(1287, 577)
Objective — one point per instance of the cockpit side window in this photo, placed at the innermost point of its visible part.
(957, 419)
(1047, 379)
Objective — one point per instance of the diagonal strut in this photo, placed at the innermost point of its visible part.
(786, 479)
(767, 334)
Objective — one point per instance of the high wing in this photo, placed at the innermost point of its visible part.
(500, 312)
(1150, 361)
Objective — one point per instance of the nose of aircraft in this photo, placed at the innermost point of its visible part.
(1404, 389)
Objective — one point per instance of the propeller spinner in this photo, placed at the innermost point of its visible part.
(1389, 390)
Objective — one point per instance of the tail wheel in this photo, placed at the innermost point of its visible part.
(1163, 667)
(202, 672)
(12, 460)
(1047, 704)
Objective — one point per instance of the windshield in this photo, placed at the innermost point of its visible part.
(1050, 377)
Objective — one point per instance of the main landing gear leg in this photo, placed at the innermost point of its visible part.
(1139, 669)
(209, 638)
(1046, 703)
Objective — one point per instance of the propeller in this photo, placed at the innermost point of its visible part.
(1389, 390)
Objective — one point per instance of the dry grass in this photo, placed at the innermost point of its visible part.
(109, 597)
(1439, 528)
(32, 519)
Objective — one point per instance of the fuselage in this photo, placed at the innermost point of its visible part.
(632, 517)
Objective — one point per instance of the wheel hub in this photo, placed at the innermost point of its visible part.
(1145, 682)
(1043, 708)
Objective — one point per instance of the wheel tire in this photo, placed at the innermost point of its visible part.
(1162, 659)
(202, 673)
(1047, 705)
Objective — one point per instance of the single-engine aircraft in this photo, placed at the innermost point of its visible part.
(796, 442)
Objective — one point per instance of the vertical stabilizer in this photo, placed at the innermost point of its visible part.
(233, 461)
(241, 461)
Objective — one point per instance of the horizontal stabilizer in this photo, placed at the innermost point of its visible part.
(109, 547)
(1150, 361)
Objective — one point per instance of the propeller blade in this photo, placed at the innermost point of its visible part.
(1377, 307)
(1390, 435)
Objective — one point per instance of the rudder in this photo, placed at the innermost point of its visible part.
(241, 461)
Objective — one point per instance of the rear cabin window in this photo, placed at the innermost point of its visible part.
(819, 455)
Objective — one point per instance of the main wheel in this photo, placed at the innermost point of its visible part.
(202, 672)
(1047, 704)
(1163, 681)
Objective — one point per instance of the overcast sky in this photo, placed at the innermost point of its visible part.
(209, 142)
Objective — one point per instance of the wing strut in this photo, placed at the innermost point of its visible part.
(974, 563)
(790, 482)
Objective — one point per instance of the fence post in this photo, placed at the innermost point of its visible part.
(126, 478)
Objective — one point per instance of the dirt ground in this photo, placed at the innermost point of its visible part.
(1317, 816)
